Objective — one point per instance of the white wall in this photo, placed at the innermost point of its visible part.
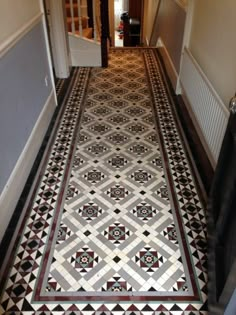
(118, 9)
(213, 43)
(14, 14)
(150, 8)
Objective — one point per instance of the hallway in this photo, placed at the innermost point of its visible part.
(115, 223)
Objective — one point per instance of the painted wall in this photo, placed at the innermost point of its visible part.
(23, 94)
(213, 43)
(14, 14)
(170, 28)
(150, 8)
(126, 5)
(27, 99)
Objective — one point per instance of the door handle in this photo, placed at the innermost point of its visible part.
(232, 105)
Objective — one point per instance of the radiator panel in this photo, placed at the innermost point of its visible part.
(210, 112)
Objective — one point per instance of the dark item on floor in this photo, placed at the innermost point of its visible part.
(222, 226)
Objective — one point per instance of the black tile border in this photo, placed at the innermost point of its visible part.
(193, 146)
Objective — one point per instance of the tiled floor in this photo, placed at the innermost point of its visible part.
(119, 42)
(116, 225)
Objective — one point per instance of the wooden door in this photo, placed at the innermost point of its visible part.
(135, 8)
(135, 11)
(222, 224)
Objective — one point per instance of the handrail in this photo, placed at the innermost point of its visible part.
(95, 20)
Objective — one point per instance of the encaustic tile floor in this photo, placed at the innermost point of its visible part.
(114, 224)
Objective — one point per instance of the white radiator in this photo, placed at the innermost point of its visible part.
(210, 112)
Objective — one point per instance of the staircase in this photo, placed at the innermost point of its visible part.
(73, 19)
(84, 41)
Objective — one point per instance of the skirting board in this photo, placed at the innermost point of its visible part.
(15, 184)
(146, 41)
(170, 68)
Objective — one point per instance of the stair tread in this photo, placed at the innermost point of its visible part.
(76, 18)
(83, 6)
(87, 32)
(75, 2)
(75, 5)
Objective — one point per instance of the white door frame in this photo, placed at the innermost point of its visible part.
(49, 54)
(189, 7)
(59, 38)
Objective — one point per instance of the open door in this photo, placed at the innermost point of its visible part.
(222, 226)
(134, 24)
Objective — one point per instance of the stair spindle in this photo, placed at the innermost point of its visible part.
(80, 18)
(95, 20)
(72, 16)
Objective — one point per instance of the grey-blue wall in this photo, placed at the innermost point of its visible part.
(23, 94)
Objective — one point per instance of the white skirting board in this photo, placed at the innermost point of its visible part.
(15, 184)
(170, 68)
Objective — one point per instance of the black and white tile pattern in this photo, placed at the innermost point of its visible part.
(113, 224)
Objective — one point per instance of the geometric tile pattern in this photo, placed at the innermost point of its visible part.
(149, 259)
(117, 233)
(90, 211)
(117, 284)
(118, 230)
(138, 191)
(144, 211)
(84, 260)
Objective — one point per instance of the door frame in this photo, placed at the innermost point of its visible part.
(48, 48)
(58, 37)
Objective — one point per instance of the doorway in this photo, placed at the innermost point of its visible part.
(58, 38)
(120, 6)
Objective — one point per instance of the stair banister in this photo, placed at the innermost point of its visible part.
(80, 18)
(72, 16)
(95, 20)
